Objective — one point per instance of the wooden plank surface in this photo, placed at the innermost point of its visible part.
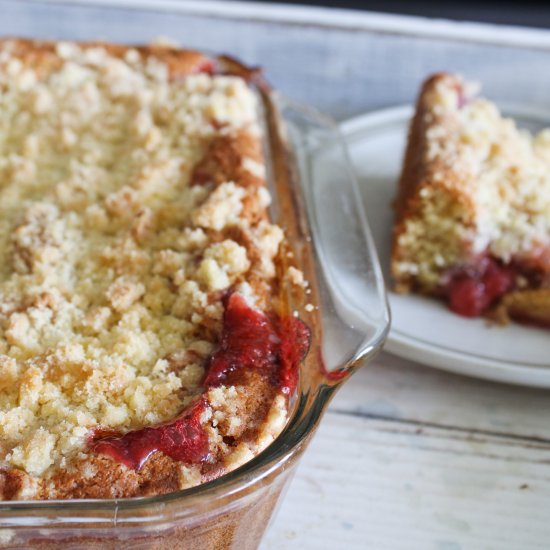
(400, 389)
(408, 457)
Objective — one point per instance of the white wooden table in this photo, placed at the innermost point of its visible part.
(407, 457)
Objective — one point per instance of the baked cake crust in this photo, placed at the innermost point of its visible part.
(431, 167)
(473, 200)
(134, 202)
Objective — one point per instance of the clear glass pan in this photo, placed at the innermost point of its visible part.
(316, 201)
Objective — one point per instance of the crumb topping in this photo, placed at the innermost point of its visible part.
(112, 265)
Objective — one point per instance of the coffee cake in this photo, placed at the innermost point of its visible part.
(142, 349)
(473, 207)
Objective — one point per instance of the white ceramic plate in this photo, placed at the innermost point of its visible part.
(424, 329)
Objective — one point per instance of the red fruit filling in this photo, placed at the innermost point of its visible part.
(470, 292)
(249, 340)
(207, 66)
(295, 341)
(182, 439)
(252, 340)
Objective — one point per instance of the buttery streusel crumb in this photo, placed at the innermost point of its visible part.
(125, 174)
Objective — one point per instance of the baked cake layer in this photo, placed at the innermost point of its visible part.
(473, 186)
(132, 201)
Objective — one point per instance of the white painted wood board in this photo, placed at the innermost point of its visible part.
(408, 457)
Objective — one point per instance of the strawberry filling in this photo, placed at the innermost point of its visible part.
(472, 291)
(182, 439)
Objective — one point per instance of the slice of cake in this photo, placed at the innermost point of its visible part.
(144, 344)
(473, 207)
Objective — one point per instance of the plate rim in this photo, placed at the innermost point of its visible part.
(427, 353)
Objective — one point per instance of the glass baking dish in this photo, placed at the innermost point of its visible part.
(316, 200)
